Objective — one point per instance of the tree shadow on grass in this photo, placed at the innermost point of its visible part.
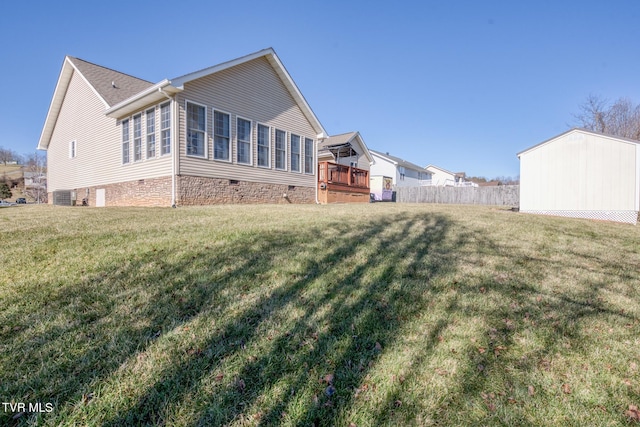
(300, 343)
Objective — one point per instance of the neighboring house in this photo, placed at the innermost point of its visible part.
(237, 132)
(343, 169)
(582, 174)
(442, 177)
(402, 172)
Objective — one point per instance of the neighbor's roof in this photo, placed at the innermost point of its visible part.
(397, 160)
(131, 93)
(345, 139)
(579, 130)
(444, 170)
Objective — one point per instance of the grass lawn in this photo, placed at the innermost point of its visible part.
(341, 315)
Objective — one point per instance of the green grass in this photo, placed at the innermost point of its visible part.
(378, 314)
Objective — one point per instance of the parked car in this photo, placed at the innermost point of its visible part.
(5, 203)
(21, 201)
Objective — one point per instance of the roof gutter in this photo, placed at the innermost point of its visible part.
(142, 99)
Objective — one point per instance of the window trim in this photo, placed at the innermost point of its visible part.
(304, 166)
(125, 141)
(137, 140)
(73, 148)
(299, 153)
(230, 137)
(237, 141)
(268, 146)
(150, 112)
(275, 145)
(167, 129)
(205, 135)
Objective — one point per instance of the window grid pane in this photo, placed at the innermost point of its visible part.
(295, 153)
(308, 155)
(137, 138)
(263, 146)
(244, 141)
(196, 115)
(165, 127)
(281, 149)
(221, 136)
(151, 134)
(125, 141)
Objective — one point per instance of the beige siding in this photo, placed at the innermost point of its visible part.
(251, 91)
(98, 138)
(579, 171)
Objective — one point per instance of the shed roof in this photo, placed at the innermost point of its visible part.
(579, 130)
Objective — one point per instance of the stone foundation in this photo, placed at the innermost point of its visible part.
(142, 192)
(194, 190)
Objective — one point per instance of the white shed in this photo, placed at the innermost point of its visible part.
(582, 174)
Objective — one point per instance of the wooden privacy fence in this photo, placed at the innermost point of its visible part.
(502, 195)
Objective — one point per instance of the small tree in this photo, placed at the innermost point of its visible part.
(5, 191)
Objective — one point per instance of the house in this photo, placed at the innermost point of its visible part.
(343, 169)
(236, 132)
(582, 174)
(402, 172)
(442, 177)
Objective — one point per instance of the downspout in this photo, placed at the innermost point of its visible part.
(173, 148)
(317, 171)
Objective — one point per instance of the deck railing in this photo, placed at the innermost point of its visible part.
(334, 173)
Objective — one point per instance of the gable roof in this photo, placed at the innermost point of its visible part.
(174, 85)
(397, 161)
(579, 130)
(131, 93)
(99, 79)
(345, 140)
(460, 174)
(112, 86)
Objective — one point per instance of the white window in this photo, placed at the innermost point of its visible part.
(137, 138)
(264, 146)
(401, 171)
(125, 141)
(295, 153)
(165, 129)
(221, 136)
(308, 156)
(151, 133)
(72, 149)
(243, 136)
(281, 149)
(354, 164)
(196, 130)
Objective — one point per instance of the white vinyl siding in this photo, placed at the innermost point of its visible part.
(281, 149)
(295, 153)
(308, 156)
(72, 149)
(196, 130)
(264, 146)
(222, 136)
(254, 92)
(137, 138)
(99, 144)
(165, 129)
(243, 143)
(126, 145)
(151, 133)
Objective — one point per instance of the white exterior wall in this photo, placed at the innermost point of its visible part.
(98, 139)
(580, 172)
(440, 177)
(252, 91)
(384, 167)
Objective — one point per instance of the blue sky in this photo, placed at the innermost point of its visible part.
(464, 85)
